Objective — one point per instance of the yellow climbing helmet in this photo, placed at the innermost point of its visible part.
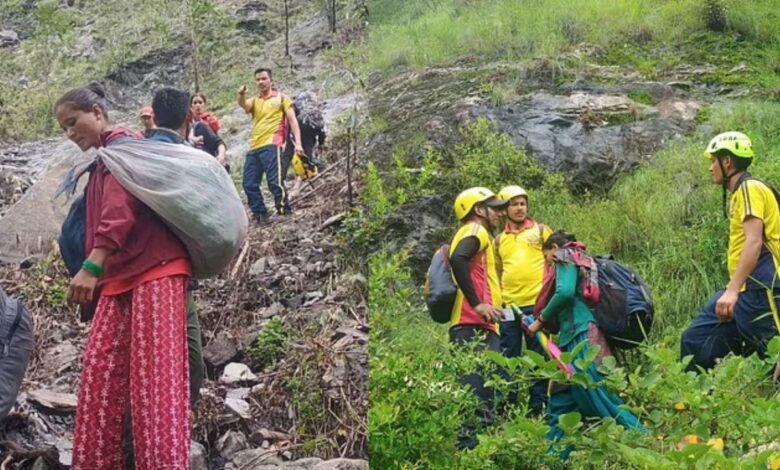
(472, 196)
(303, 167)
(737, 143)
(509, 192)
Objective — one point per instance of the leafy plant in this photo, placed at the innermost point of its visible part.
(270, 344)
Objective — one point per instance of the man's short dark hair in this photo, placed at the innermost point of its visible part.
(739, 163)
(266, 70)
(170, 107)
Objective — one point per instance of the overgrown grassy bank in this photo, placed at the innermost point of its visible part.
(666, 221)
(654, 35)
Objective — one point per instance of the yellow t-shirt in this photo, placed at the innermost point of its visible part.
(268, 119)
(522, 263)
(753, 198)
(484, 278)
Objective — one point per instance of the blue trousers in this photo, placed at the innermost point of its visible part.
(512, 346)
(265, 161)
(707, 339)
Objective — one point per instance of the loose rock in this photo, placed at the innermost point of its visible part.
(198, 457)
(230, 443)
(236, 372)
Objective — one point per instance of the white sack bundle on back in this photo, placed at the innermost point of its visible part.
(190, 191)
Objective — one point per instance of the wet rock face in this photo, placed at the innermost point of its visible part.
(421, 226)
(584, 135)
(166, 67)
(592, 132)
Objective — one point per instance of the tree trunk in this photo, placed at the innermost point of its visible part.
(286, 30)
(349, 167)
(332, 16)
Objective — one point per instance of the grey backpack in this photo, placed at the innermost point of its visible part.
(439, 290)
(16, 345)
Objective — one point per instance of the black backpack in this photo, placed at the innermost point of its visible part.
(440, 291)
(16, 344)
(624, 312)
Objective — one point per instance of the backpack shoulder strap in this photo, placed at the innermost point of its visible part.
(15, 308)
(771, 187)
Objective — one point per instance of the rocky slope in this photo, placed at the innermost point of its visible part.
(291, 309)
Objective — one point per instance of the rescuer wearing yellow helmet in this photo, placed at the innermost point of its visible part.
(477, 308)
(735, 319)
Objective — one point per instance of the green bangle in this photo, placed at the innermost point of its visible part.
(92, 268)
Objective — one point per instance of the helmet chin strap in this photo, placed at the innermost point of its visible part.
(726, 179)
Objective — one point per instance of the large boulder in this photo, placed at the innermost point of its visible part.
(8, 38)
(591, 138)
(30, 226)
(591, 132)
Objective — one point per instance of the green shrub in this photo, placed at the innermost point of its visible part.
(270, 345)
(417, 404)
(715, 15)
(487, 157)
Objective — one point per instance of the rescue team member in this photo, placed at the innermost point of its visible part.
(271, 113)
(735, 319)
(477, 308)
(521, 263)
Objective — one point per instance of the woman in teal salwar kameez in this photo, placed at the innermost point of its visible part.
(562, 299)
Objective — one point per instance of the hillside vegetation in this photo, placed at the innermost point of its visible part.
(214, 44)
(664, 219)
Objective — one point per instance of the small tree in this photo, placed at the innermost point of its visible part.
(205, 23)
(51, 38)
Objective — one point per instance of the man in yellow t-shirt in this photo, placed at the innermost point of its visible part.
(522, 267)
(477, 307)
(735, 319)
(271, 114)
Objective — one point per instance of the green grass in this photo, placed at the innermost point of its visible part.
(641, 32)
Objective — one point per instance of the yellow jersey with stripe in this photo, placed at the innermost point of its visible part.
(484, 278)
(269, 125)
(522, 262)
(754, 198)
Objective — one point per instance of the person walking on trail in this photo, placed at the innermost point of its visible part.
(521, 263)
(137, 270)
(308, 111)
(271, 114)
(743, 317)
(172, 116)
(204, 130)
(477, 308)
(199, 113)
(561, 300)
(147, 118)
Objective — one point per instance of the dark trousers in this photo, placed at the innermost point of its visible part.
(707, 339)
(466, 337)
(512, 346)
(309, 148)
(265, 161)
(194, 349)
